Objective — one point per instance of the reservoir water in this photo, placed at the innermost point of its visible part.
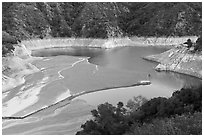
(128, 59)
(67, 72)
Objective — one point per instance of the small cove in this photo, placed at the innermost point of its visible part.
(69, 71)
(127, 59)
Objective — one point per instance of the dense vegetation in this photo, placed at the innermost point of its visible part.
(25, 20)
(101, 20)
(179, 114)
(7, 43)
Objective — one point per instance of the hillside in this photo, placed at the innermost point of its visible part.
(128, 22)
(100, 20)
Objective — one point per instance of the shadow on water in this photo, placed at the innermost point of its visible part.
(71, 51)
(127, 60)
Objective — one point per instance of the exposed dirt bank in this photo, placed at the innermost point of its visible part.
(15, 68)
(179, 60)
(105, 43)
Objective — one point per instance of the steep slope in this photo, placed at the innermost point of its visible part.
(163, 19)
(101, 20)
(179, 60)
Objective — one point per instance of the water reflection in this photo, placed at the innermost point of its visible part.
(72, 51)
(128, 59)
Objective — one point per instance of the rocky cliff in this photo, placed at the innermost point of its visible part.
(179, 59)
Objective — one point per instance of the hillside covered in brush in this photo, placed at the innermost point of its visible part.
(100, 20)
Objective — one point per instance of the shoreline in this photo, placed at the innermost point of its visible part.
(67, 100)
(178, 60)
(20, 68)
(35, 44)
(24, 71)
(12, 82)
(24, 50)
(70, 97)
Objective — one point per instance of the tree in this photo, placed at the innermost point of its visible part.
(7, 43)
(108, 120)
(198, 45)
(111, 120)
(136, 102)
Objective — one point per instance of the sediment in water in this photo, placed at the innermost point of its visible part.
(67, 100)
(15, 67)
(22, 55)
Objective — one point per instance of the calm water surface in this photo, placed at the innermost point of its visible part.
(127, 59)
(130, 59)
(69, 71)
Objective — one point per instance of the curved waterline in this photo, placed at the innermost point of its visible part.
(72, 65)
(67, 100)
(43, 84)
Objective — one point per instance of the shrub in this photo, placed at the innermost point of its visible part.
(156, 116)
(108, 120)
(186, 124)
